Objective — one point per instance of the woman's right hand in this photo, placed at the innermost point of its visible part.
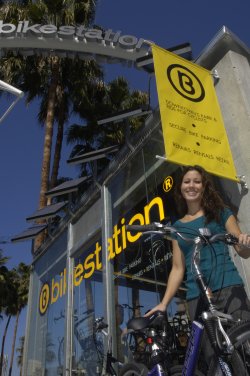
(160, 307)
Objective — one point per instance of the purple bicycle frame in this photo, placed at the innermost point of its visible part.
(157, 371)
(193, 348)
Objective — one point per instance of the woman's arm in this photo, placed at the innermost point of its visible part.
(244, 239)
(175, 279)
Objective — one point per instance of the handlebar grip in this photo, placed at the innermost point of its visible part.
(143, 228)
(231, 239)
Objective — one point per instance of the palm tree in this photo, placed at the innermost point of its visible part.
(48, 70)
(3, 276)
(9, 308)
(4, 290)
(88, 72)
(20, 351)
(22, 277)
(105, 100)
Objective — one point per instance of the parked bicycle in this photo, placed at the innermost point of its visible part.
(155, 347)
(181, 328)
(106, 361)
(230, 340)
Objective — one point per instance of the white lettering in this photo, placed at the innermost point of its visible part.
(94, 35)
(48, 30)
(66, 31)
(32, 28)
(7, 28)
(106, 38)
(19, 27)
(128, 41)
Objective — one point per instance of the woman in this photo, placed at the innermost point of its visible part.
(200, 206)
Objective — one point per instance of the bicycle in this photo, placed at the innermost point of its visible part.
(181, 328)
(106, 362)
(159, 353)
(230, 340)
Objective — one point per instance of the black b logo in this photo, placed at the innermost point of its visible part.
(185, 82)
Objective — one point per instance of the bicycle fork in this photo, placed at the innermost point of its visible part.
(217, 347)
(193, 348)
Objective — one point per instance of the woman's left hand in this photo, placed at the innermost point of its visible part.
(244, 245)
(244, 239)
(243, 248)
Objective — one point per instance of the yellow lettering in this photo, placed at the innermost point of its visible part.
(110, 249)
(124, 238)
(89, 264)
(78, 273)
(116, 244)
(147, 208)
(61, 284)
(137, 217)
(116, 233)
(98, 249)
(54, 289)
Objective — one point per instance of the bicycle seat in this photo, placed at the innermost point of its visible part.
(139, 323)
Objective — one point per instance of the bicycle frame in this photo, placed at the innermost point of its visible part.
(157, 371)
(193, 347)
(197, 330)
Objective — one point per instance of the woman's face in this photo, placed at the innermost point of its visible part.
(192, 186)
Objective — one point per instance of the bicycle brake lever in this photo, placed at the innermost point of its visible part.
(229, 345)
(222, 315)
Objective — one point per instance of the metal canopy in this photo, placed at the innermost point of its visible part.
(93, 155)
(125, 114)
(30, 233)
(14, 91)
(47, 212)
(67, 187)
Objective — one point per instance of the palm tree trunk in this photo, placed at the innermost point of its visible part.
(14, 343)
(48, 138)
(3, 343)
(49, 134)
(58, 149)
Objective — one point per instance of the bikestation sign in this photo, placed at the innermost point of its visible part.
(69, 41)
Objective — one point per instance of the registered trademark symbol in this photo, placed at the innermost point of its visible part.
(185, 82)
(168, 183)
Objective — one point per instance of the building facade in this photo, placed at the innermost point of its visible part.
(91, 267)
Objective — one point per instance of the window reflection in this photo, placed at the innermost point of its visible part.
(88, 304)
(141, 264)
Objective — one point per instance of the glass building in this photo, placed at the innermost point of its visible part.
(91, 267)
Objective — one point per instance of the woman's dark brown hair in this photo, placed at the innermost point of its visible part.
(211, 202)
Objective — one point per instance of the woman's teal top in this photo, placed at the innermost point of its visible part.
(216, 264)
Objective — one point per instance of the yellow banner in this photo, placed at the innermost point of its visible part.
(192, 123)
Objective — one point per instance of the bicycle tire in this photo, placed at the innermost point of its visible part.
(133, 369)
(240, 360)
(177, 371)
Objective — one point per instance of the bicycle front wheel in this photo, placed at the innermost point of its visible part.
(133, 369)
(239, 362)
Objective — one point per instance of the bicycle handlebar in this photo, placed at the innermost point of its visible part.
(154, 226)
(159, 228)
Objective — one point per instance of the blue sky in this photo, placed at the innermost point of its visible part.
(21, 137)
